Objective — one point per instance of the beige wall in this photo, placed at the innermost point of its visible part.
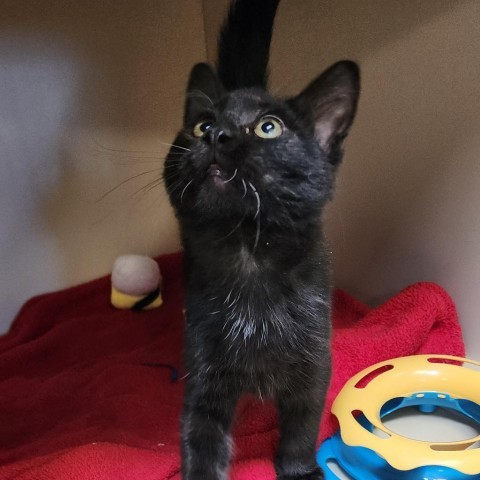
(89, 91)
(111, 75)
(408, 193)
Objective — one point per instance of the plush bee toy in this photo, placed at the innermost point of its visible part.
(136, 283)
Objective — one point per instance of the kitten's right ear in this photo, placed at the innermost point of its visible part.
(331, 99)
(203, 90)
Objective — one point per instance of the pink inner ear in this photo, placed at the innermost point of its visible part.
(323, 133)
(331, 122)
(332, 99)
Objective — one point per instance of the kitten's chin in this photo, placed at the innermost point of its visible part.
(217, 200)
(218, 182)
(217, 195)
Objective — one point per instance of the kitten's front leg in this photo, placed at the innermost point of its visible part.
(206, 440)
(299, 417)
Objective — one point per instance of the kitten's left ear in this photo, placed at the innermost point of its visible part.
(332, 101)
(203, 90)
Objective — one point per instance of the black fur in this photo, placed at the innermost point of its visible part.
(244, 44)
(256, 268)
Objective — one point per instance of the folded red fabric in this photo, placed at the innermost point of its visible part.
(81, 399)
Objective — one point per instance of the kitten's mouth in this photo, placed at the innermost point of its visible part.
(216, 172)
(218, 175)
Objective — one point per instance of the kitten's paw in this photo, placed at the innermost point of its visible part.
(316, 474)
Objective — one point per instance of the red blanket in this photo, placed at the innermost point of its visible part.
(77, 401)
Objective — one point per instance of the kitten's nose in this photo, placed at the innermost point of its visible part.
(216, 136)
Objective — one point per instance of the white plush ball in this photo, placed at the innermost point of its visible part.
(135, 274)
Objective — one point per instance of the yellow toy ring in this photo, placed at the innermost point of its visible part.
(447, 377)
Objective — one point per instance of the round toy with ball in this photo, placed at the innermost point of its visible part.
(136, 283)
(365, 449)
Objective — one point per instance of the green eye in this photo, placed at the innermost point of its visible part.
(201, 127)
(268, 127)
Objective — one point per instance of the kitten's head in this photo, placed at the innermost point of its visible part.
(244, 153)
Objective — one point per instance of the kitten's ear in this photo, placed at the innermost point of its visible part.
(203, 90)
(332, 101)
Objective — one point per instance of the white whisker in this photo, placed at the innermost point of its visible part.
(244, 189)
(176, 146)
(234, 229)
(199, 93)
(254, 190)
(232, 177)
(138, 151)
(149, 186)
(126, 181)
(257, 216)
(174, 185)
(257, 236)
(183, 191)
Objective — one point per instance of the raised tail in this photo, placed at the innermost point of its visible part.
(244, 44)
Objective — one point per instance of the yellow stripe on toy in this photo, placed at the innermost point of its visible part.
(123, 301)
(136, 283)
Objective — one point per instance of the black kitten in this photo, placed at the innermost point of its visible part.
(248, 182)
